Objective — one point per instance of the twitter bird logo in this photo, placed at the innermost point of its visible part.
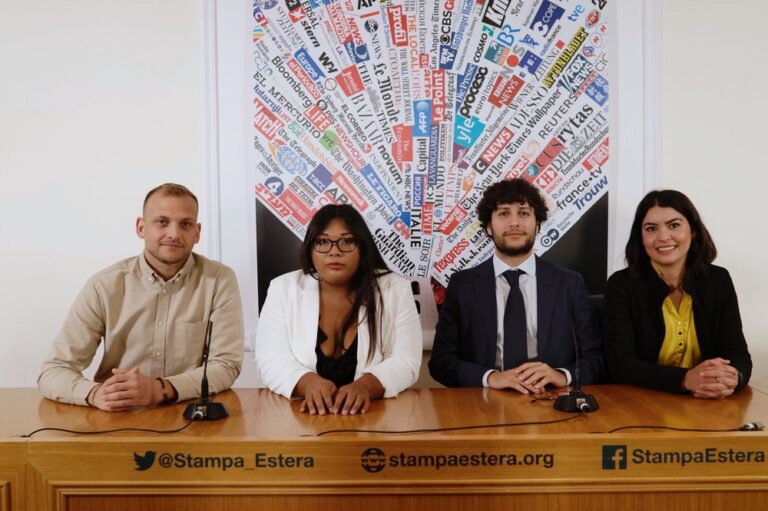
(144, 462)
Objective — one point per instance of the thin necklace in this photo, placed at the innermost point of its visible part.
(670, 287)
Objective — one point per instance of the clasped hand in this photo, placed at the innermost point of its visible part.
(321, 396)
(124, 389)
(713, 379)
(531, 377)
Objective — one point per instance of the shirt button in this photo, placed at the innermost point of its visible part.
(160, 323)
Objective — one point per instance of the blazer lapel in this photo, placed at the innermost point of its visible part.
(700, 320)
(309, 312)
(546, 287)
(484, 297)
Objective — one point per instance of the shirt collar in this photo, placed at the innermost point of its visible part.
(149, 275)
(528, 266)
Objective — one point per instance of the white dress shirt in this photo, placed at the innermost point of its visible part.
(528, 289)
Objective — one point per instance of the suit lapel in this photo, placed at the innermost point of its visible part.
(546, 287)
(700, 320)
(484, 296)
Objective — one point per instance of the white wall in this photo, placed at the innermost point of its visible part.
(99, 102)
(714, 106)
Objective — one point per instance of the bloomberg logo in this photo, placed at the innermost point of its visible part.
(614, 457)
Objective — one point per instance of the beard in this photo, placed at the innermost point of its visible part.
(511, 250)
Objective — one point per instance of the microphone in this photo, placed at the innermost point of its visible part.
(575, 400)
(205, 409)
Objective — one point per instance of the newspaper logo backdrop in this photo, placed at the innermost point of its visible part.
(409, 110)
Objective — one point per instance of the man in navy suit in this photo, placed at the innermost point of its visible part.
(513, 321)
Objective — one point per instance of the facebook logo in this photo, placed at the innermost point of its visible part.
(614, 457)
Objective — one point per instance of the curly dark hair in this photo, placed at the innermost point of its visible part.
(511, 191)
(702, 251)
(364, 282)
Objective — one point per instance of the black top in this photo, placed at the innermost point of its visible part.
(634, 326)
(340, 371)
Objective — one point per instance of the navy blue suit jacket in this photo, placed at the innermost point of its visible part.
(465, 339)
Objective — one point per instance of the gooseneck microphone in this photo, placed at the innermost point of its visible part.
(576, 401)
(205, 409)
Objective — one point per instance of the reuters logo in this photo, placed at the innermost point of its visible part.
(373, 460)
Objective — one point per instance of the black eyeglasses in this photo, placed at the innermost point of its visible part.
(324, 245)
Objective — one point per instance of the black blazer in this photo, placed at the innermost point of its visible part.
(465, 338)
(634, 326)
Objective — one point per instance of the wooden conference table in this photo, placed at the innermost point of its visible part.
(267, 455)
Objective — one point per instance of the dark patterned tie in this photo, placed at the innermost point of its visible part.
(515, 337)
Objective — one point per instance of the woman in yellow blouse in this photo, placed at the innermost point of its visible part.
(672, 318)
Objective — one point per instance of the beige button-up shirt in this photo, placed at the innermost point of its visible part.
(156, 325)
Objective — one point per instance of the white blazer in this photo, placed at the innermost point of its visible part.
(287, 335)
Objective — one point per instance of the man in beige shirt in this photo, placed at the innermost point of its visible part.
(151, 312)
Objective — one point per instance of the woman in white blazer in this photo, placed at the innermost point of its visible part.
(343, 330)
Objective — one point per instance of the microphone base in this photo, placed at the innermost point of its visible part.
(205, 412)
(576, 402)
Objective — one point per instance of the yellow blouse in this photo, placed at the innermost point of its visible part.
(681, 346)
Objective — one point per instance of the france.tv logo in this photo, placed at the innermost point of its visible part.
(144, 462)
(614, 457)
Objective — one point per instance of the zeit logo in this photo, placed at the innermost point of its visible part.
(258, 460)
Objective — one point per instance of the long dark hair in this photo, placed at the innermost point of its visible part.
(702, 251)
(364, 283)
